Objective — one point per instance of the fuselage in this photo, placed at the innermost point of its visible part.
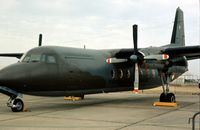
(61, 71)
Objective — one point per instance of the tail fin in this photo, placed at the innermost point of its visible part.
(178, 34)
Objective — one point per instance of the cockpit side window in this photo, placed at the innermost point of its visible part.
(51, 59)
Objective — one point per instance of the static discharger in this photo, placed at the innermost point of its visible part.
(72, 98)
(165, 104)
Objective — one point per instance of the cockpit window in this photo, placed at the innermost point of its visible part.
(39, 58)
(51, 59)
(26, 59)
(35, 58)
(32, 58)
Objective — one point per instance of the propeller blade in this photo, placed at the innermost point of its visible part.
(135, 28)
(136, 81)
(40, 40)
(134, 57)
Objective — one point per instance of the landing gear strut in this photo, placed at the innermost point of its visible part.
(16, 104)
(166, 96)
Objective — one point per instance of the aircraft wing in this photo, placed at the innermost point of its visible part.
(17, 55)
(190, 52)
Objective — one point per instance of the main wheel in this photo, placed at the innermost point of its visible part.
(18, 105)
(170, 97)
(163, 97)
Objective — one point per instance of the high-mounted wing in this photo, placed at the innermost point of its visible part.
(190, 52)
(17, 55)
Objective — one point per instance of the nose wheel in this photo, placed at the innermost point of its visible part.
(166, 96)
(16, 105)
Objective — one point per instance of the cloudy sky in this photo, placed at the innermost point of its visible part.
(96, 23)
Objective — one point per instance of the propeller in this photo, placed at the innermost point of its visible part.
(40, 40)
(137, 57)
(134, 58)
(135, 28)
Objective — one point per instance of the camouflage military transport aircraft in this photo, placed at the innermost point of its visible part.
(62, 71)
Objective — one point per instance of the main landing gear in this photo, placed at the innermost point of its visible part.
(166, 96)
(16, 104)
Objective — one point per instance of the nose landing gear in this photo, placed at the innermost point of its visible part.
(16, 104)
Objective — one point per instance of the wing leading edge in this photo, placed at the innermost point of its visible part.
(190, 52)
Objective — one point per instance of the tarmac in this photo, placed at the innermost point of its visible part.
(113, 111)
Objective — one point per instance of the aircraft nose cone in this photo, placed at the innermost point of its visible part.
(12, 76)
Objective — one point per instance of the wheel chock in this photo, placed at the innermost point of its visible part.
(72, 98)
(26, 108)
(165, 104)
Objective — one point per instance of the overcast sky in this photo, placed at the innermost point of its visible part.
(96, 23)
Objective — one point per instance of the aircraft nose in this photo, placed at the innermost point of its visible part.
(12, 76)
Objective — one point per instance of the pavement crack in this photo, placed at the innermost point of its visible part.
(167, 112)
(84, 119)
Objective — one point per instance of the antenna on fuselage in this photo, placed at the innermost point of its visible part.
(40, 40)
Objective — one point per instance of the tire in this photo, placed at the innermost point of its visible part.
(163, 97)
(171, 97)
(19, 105)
